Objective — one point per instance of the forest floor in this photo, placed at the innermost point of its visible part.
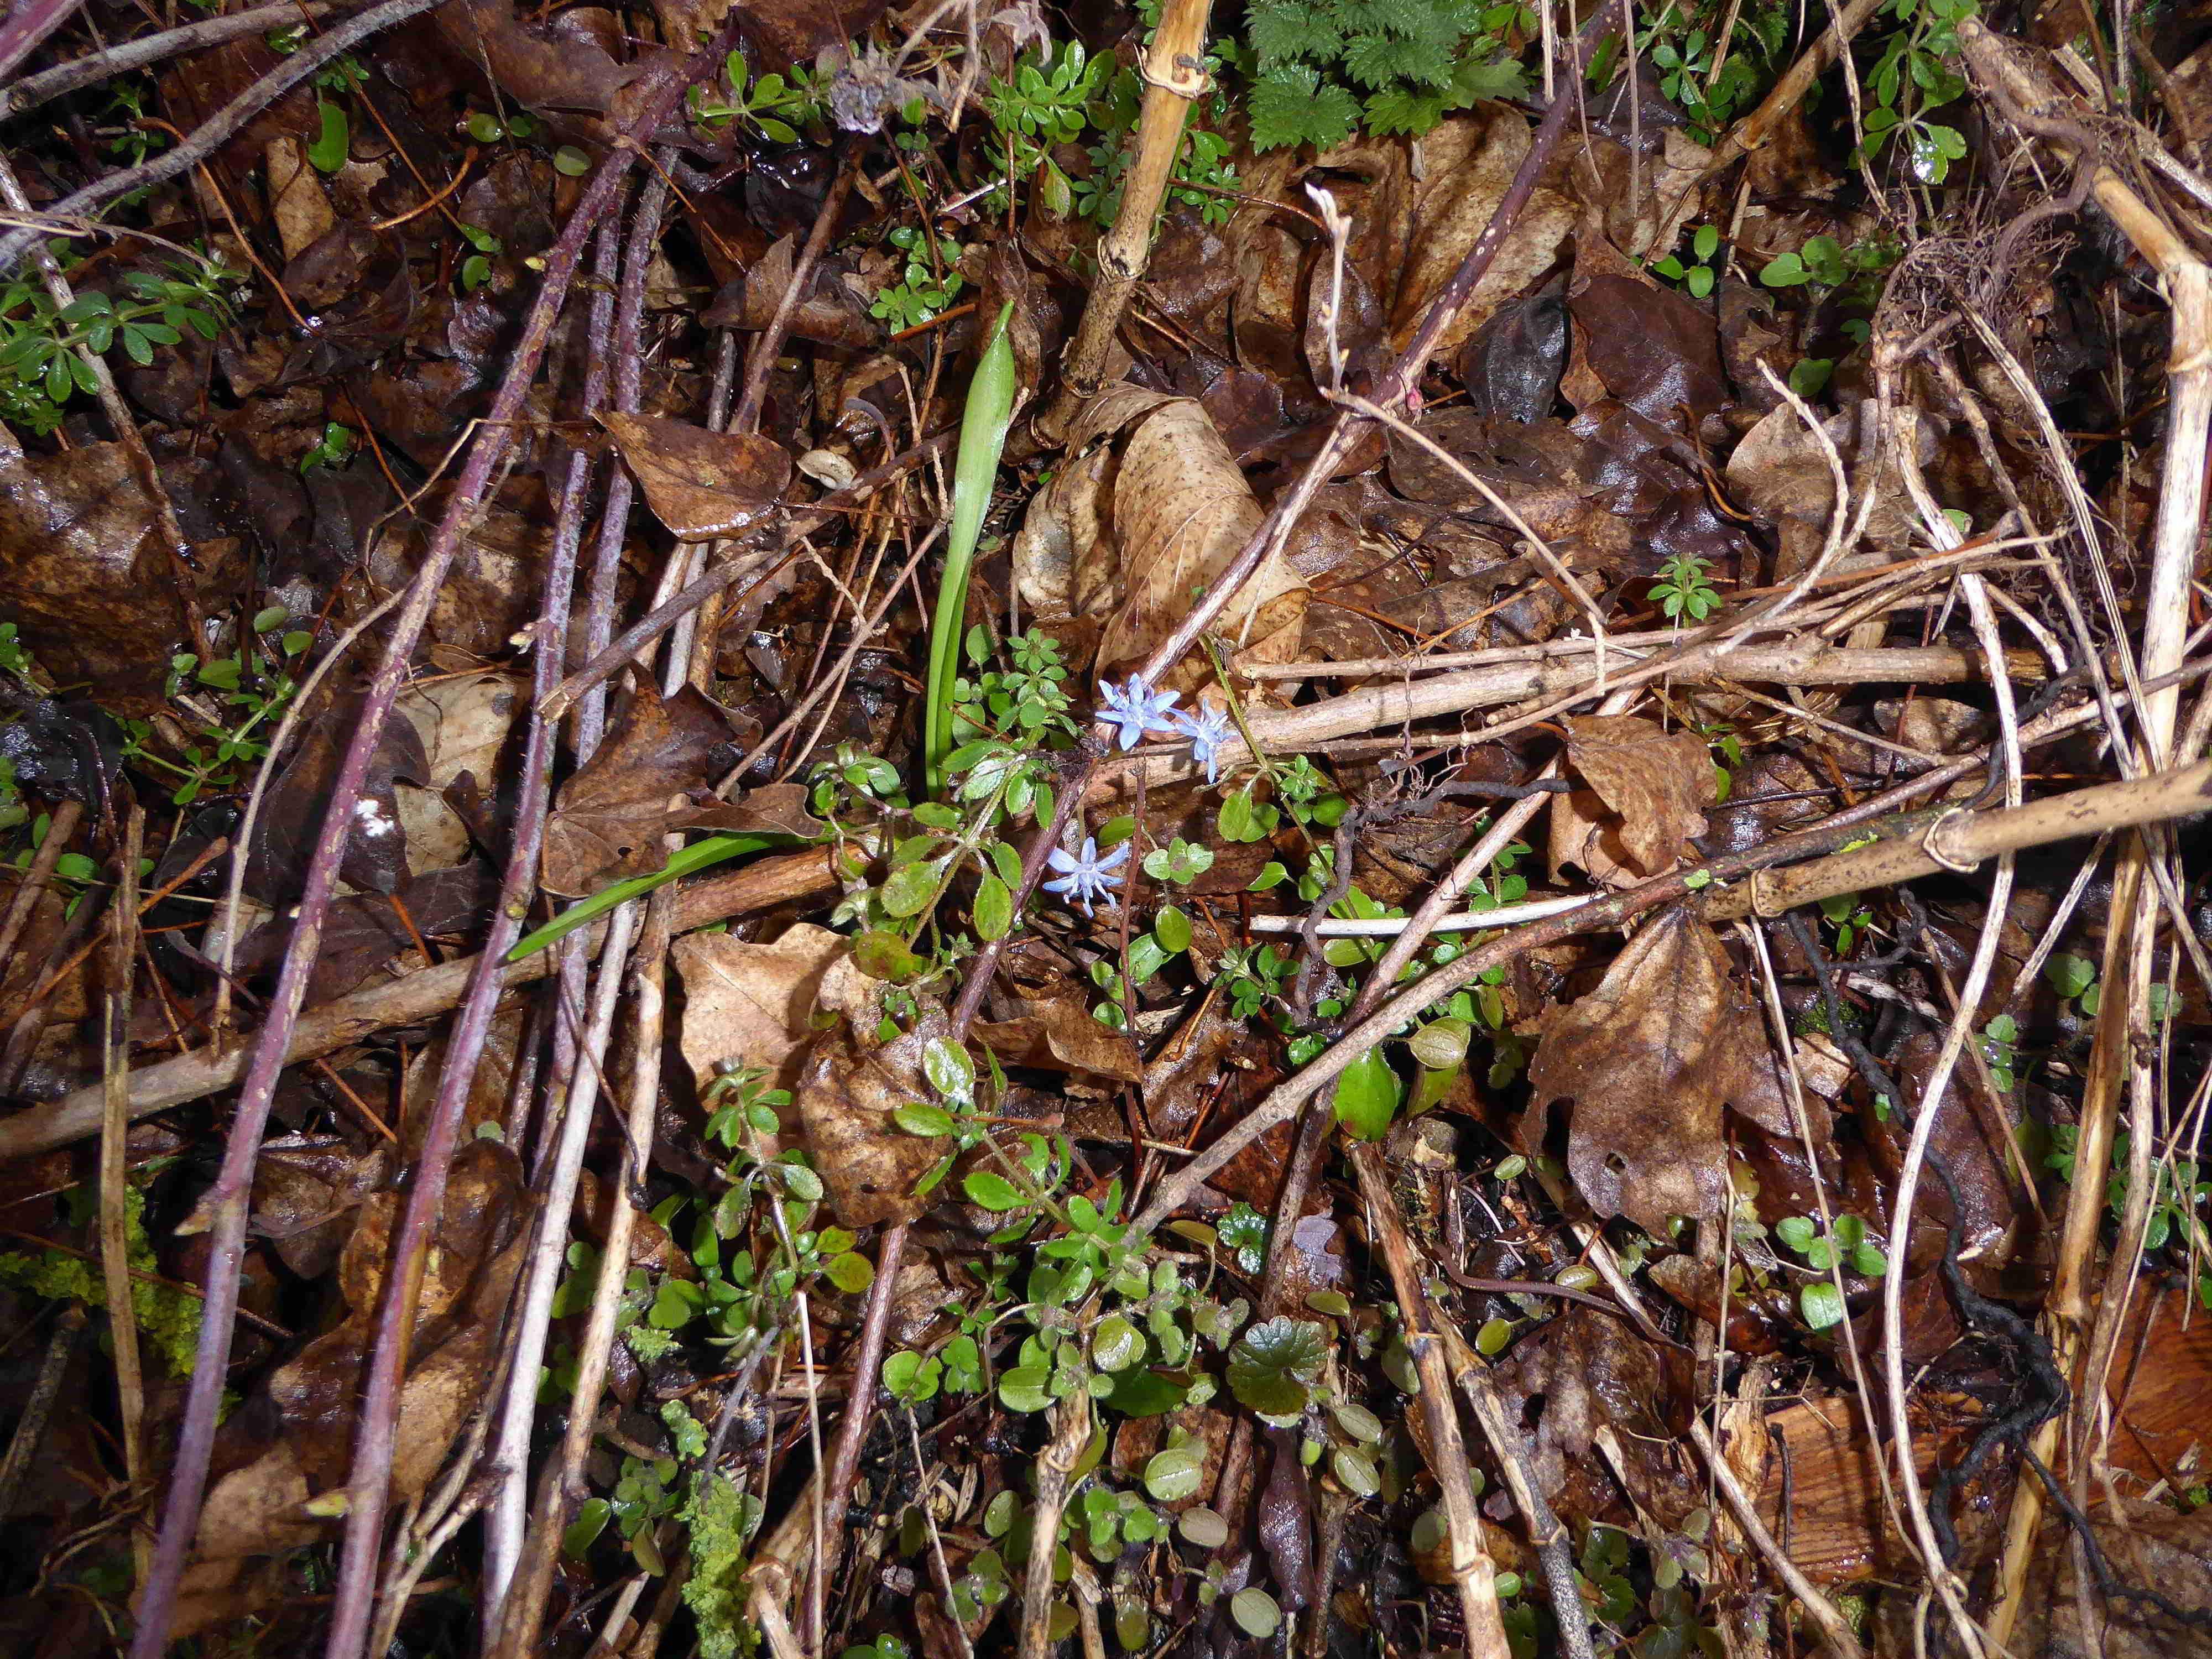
(1320, 827)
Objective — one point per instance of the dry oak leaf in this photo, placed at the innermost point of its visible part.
(848, 1086)
(703, 484)
(1648, 790)
(1649, 1059)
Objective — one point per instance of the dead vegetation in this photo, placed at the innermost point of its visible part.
(1309, 828)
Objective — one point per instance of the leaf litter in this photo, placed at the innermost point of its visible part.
(924, 1223)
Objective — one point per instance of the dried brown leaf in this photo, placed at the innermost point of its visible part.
(1649, 1058)
(850, 1084)
(83, 573)
(749, 1002)
(654, 774)
(700, 483)
(1182, 512)
(1654, 782)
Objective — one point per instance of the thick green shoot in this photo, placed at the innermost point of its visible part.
(982, 436)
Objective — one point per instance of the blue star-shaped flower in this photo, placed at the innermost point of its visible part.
(1134, 710)
(1207, 730)
(1084, 876)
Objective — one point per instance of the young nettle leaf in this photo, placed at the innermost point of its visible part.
(1270, 1365)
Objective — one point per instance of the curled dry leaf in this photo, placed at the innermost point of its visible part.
(1649, 1059)
(700, 483)
(1176, 515)
(850, 1084)
(1648, 789)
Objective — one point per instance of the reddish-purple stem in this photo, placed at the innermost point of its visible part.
(375, 1435)
(234, 1183)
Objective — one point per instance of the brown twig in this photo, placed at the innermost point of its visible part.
(1174, 81)
(1472, 1572)
(110, 63)
(74, 213)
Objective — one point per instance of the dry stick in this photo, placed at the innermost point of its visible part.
(532, 1589)
(632, 642)
(505, 1518)
(1835, 1631)
(1789, 93)
(867, 1364)
(1274, 531)
(30, 1435)
(762, 356)
(1056, 1469)
(1509, 1446)
(422, 995)
(2015, 84)
(1959, 836)
(1789, 662)
(28, 24)
(74, 213)
(1173, 81)
(110, 63)
(1472, 1572)
(1404, 376)
(61, 827)
(659, 92)
(114, 1178)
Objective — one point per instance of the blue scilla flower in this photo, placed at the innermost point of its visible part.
(1084, 876)
(1207, 730)
(1134, 710)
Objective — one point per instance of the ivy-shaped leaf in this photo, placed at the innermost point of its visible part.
(1272, 1363)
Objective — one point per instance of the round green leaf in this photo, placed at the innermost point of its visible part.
(1025, 1389)
(1821, 1303)
(1116, 1344)
(1367, 1096)
(850, 1273)
(1203, 1527)
(1171, 927)
(1255, 1613)
(909, 891)
(1355, 1472)
(1175, 1474)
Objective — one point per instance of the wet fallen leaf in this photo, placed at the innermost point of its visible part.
(644, 780)
(850, 1084)
(750, 1003)
(84, 576)
(1182, 512)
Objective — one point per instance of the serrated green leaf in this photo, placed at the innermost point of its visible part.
(1270, 1363)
